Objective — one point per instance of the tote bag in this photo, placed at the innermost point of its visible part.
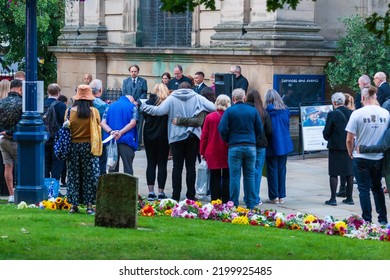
(96, 134)
(62, 140)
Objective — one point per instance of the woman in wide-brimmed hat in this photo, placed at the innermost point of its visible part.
(83, 166)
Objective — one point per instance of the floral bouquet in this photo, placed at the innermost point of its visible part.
(187, 209)
(165, 206)
(59, 203)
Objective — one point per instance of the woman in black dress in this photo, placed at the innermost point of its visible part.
(339, 163)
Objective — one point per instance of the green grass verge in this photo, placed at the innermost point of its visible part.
(57, 235)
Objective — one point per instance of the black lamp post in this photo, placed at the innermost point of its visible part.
(31, 134)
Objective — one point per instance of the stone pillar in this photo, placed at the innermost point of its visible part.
(129, 22)
(84, 24)
(231, 29)
(284, 28)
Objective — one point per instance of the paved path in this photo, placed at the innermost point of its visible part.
(307, 187)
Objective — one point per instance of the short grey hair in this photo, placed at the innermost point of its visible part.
(238, 94)
(96, 85)
(338, 98)
(365, 80)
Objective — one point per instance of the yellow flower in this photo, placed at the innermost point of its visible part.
(199, 204)
(58, 200)
(242, 220)
(340, 226)
(218, 201)
(295, 226)
(52, 206)
(310, 219)
(65, 206)
(278, 222)
(168, 212)
(242, 210)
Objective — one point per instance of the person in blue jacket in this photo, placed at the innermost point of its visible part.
(278, 147)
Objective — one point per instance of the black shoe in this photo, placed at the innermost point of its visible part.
(342, 192)
(162, 196)
(331, 202)
(152, 197)
(348, 201)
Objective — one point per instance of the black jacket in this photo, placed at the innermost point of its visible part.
(334, 131)
(383, 93)
(155, 127)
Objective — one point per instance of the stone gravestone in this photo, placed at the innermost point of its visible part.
(117, 201)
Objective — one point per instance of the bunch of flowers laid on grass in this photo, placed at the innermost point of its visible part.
(59, 203)
(352, 227)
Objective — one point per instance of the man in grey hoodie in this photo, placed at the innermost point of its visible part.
(184, 140)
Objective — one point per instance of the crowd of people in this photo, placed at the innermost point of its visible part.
(184, 119)
(356, 133)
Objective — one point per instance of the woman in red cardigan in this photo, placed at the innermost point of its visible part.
(215, 151)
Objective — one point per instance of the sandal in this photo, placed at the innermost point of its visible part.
(74, 209)
(90, 211)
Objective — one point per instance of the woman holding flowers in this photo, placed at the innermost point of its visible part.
(215, 151)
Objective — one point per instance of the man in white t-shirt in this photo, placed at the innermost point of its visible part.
(367, 126)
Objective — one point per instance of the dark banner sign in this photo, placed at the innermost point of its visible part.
(297, 89)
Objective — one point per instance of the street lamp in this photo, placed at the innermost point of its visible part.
(31, 134)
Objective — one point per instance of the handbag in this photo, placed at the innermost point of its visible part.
(112, 155)
(96, 135)
(202, 179)
(62, 140)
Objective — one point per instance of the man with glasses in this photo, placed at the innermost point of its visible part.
(383, 87)
(178, 78)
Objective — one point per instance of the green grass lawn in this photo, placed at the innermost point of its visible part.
(35, 234)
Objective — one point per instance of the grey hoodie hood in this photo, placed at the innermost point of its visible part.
(180, 103)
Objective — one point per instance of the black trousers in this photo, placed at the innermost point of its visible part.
(184, 151)
(157, 157)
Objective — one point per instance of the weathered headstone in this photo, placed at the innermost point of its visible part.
(117, 199)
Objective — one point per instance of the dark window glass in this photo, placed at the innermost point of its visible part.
(164, 29)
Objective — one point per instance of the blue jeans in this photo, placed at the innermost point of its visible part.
(260, 158)
(242, 157)
(368, 174)
(276, 176)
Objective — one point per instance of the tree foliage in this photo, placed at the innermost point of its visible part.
(358, 52)
(180, 6)
(50, 19)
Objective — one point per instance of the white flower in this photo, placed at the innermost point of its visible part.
(22, 205)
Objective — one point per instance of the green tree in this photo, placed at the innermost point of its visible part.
(50, 19)
(378, 25)
(358, 52)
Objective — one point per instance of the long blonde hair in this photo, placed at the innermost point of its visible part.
(349, 102)
(5, 87)
(162, 92)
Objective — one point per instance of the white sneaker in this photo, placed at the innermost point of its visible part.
(11, 199)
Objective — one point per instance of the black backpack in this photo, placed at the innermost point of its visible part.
(50, 119)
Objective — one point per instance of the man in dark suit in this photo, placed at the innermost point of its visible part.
(364, 81)
(137, 87)
(383, 92)
(199, 84)
(241, 81)
(178, 79)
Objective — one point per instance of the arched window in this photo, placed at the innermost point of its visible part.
(164, 29)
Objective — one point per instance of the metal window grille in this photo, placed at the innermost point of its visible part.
(164, 29)
(111, 95)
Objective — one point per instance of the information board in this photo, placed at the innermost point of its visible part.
(313, 120)
(297, 89)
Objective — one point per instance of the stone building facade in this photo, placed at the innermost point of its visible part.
(104, 37)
